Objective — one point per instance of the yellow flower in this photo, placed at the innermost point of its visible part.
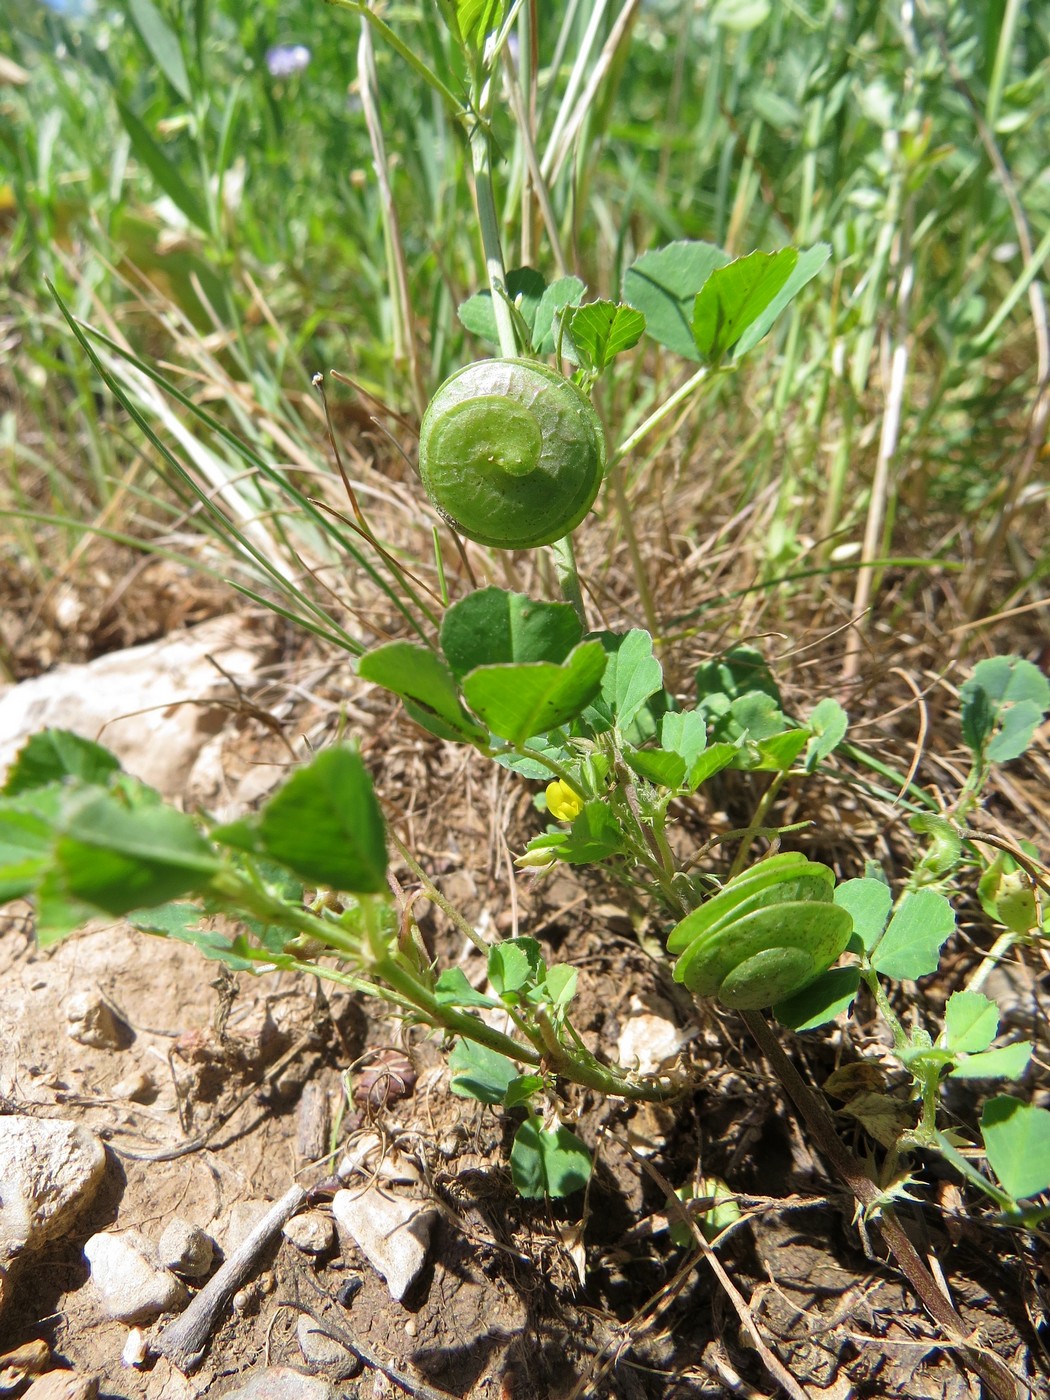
(563, 804)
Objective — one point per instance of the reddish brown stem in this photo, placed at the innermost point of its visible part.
(996, 1375)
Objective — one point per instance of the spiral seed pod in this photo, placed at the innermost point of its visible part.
(764, 936)
(511, 453)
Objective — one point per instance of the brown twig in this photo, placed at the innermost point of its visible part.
(1001, 1382)
(770, 1360)
(184, 1341)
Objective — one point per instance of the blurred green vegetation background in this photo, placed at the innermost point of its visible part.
(198, 180)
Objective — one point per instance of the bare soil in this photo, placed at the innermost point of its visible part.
(520, 1300)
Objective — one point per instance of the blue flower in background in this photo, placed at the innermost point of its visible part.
(72, 9)
(285, 60)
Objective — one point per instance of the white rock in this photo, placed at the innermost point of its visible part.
(321, 1350)
(131, 1285)
(312, 1232)
(648, 1043)
(92, 1022)
(393, 1233)
(136, 1348)
(131, 698)
(49, 1171)
(185, 1248)
(368, 1156)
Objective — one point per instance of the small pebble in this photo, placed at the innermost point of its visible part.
(282, 1383)
(27, 1360)
(137, 1087)
(131, 1285)
(135, 1348)
(63, 1385)
(410, 1327)
(349, 1290)
(321, 1350)
(91, 1022)
(185, 1248)
(312, 1232)
(393, 1233)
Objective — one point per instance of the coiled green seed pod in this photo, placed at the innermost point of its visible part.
(511, 453)
(764, 936)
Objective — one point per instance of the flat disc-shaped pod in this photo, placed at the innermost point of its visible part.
(772, 881)
(766, 956)
(511, 453)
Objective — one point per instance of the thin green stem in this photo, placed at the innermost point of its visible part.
(568, 576)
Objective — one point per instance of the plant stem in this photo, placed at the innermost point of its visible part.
(488, 226)
(568, 576)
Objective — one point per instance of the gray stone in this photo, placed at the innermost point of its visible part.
(393, 1233)
(321, 1350)
(132, 1286)
(312, 1232)
(281, 1383)
(50, 1171)
(185, 1248)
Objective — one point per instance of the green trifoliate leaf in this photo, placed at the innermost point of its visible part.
(525, 290)
(663, 284)
(560, 294)
(601, 330)
(971, 1022)
(911, 946)
(830, 996)
(27, 833)
(594, 836)
(632, 675)
(514, 964)
(480, 1073)
(427, 687)
(453, 989)
(827, 725)
(560, 984)
(657, 766)
(57, 754)
(522, 1089)
(684, 732)
(868, 901)
(107, 858)
(519, 702)
(1017, 1144)
(1002, 705)
(738, 672)
(734, 297)
(492, 627)
(1005, 1062)
(810, 262)
(548, 1164)
(325, 825)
